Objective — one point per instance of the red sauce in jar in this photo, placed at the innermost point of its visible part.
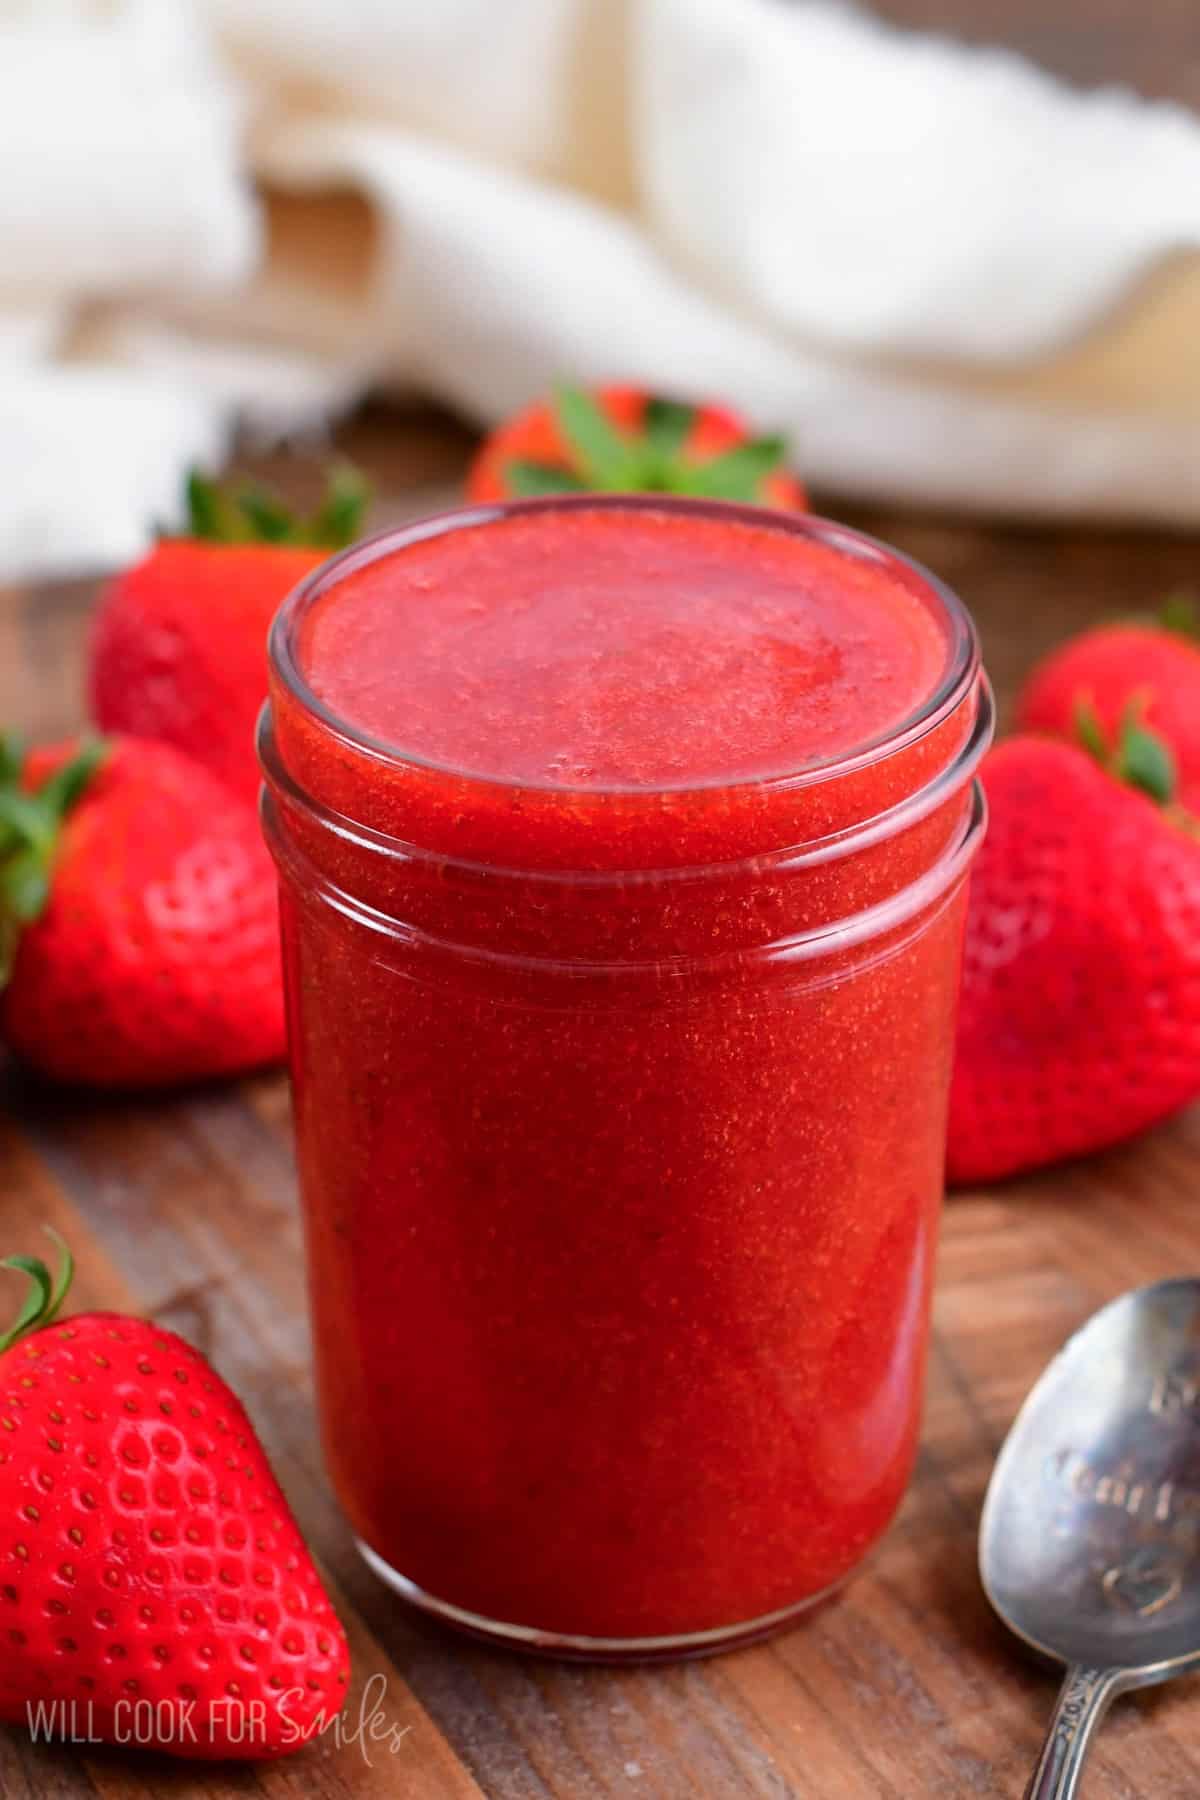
(623, 851)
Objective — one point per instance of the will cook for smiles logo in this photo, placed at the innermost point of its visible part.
(191, 1726)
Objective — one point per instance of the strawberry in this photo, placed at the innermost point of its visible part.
(138, 918)
(622, 440)
(178, 647)
(1080, 1014)
(150, 1570)
(1156, 662)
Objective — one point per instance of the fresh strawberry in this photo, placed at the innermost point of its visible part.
(1080, 1013)
(138, 918)
(150, 1570)
(622, 440)
(178, 648)
(1154, 662)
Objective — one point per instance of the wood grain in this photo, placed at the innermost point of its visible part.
(185, 1208)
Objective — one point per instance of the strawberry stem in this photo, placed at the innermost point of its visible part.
(253, 515)
(30, 827)
(45, 1294)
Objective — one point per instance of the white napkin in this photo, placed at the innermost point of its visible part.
(879, 191)
(917, 259)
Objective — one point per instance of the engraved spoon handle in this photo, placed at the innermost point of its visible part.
(1083, 1701)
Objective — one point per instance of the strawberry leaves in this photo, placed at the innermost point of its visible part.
(45, 1294)
(739, 473)
(1146, 762)
(603, 458)
(1135, 754)
(30, 824)
(253, 515)
(607, 457)
(1180, 613)
(668, 425)
(532, 480)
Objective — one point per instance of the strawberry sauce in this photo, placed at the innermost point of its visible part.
(622, 849)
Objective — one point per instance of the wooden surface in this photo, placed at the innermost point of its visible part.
(185, 1208)
(1152, 46)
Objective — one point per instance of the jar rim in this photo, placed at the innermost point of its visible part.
(281, 785)
(960, 675)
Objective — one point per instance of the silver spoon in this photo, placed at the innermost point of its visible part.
(1089, 1547)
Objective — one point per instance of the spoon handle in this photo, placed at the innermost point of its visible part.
(1083, 1701)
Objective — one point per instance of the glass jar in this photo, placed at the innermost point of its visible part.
(620, 1119)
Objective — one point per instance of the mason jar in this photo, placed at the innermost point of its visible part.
(619, 1104)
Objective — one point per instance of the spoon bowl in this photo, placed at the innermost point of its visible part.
(1090, 1539)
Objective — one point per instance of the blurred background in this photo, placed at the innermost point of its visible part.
(950, 247)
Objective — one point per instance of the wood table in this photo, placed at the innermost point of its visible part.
(185, 1208)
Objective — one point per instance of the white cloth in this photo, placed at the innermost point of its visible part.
(873, 240)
